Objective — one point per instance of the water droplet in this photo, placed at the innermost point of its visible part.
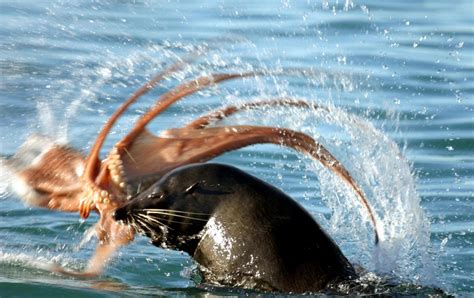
(342, 60)
(407, 23)
(450, 148)
(444, 242)
(460, 44)
(415, 44)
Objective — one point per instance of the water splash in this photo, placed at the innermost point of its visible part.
(377, 164)
(5, 175)
(97, 88)
(45, 263)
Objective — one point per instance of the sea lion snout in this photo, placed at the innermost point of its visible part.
(120, 214)
(145, 200)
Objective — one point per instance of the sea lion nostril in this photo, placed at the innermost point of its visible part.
(120, 214)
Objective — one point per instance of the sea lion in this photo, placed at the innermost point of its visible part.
(241, 230)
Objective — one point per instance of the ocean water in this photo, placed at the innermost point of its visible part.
(395, 80)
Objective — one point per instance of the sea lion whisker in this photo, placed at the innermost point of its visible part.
(153, 236)
(167, 212)
(154, 220)
(176, 211)
(135, 226)
(150, 217)
(144, 225)
(176, 215)
(131, 218)
(176, 222)
(140, 223)
(170, 214)
(139, 228)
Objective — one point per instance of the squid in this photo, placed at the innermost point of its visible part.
(58, 177)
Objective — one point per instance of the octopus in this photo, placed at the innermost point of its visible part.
(59, 177)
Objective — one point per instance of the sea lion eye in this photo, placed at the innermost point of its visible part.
(156, 195)
(191, 188)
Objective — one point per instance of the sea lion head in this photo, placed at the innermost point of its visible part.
(174, 210)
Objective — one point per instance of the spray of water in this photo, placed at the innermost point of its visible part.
(385, 175)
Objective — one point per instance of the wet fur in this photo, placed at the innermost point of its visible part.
(241, 230)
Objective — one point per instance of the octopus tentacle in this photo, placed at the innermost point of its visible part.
(46, 174)
(164, 101)
(193, 86)
(182, 146)
(174, 95)
(94, 192)
(206, 120)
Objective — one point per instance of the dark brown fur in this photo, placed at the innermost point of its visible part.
(241, 230)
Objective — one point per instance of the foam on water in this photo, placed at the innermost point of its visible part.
(27, 260)
(4, 179)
